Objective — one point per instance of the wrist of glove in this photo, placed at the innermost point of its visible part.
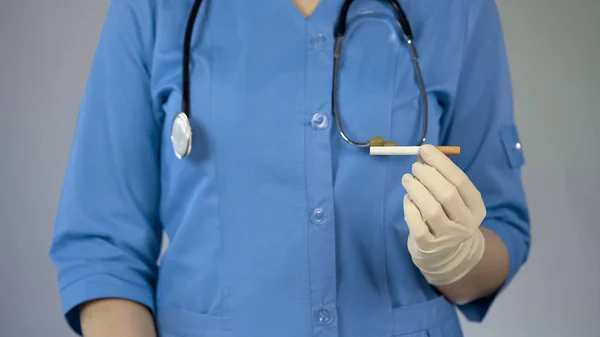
(446, 263)
(443, 211)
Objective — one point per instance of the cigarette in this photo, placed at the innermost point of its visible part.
(409, 150)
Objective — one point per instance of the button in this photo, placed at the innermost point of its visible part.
(319, 121)
(323, 317)
(318, 216)
(319, 40)
(518, 146)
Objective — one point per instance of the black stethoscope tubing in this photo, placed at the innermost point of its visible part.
(183, 118)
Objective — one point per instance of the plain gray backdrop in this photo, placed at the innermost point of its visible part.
(46, 48)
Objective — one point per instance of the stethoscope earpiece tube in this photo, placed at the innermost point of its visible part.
(340, 28)
(187, 45)
(401, 16)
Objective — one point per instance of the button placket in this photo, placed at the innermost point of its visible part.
(319, 181)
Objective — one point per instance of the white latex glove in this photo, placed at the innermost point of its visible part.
(443, 210)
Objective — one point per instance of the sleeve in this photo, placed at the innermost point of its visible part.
(480, 119)
(107, 234)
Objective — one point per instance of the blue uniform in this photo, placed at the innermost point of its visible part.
(277, 226)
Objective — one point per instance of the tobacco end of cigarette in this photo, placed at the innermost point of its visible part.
(449, 150)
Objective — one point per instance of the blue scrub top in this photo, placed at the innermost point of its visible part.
(278, 227)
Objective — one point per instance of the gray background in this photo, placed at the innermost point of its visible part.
(554, 47)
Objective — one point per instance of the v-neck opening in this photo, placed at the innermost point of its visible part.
(318, 8)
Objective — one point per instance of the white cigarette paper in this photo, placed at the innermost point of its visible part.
(408, 150)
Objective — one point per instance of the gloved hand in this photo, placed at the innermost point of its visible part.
(443, 210)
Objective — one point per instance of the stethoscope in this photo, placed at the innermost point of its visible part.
(181, 130)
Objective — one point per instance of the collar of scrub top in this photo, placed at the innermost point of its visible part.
(181, 130)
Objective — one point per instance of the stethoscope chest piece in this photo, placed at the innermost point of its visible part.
(181, 135)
